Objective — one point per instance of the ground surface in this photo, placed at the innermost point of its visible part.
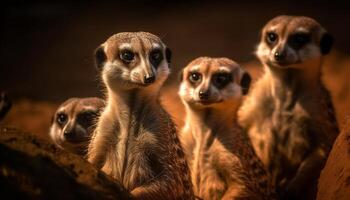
(30, 168)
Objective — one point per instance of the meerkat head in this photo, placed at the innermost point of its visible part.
(74, 122)
(133, 60)
(290, 41)
(207, 82)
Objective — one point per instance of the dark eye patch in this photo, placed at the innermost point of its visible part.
(87, 118)
(156, 57)
(220, 80)
(298, 40)
(127, 55)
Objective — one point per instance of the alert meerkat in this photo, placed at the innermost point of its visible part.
(135, 140)
(288, 114)
(222, 161)
(74, 122)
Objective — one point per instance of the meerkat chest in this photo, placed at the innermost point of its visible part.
(209, 168)
(283, 131)
(135, 145)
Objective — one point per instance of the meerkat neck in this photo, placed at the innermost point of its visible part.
(206, 120)
(125, 103)
(304, 78)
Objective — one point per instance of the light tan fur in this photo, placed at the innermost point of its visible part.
(288, 113)
(222, 161)
(74, 122)
(135, 141)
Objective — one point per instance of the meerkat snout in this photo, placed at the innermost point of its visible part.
(206, 81)
(149, 79)
(288, 41)
(74, 122)
(127, 62)
(74, 130)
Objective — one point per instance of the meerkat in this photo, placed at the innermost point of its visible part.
(288, 114)
(222, 161)
(74, 122)
(135, 141)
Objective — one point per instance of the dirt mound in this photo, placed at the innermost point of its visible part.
(334, 182)
(30, 168)
(31, 116)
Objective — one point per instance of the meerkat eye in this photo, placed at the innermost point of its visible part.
(127, 55)
(271, 37)
(195, 77)
(298, 40)
(62, 118)
(221, 80)
(156, 57)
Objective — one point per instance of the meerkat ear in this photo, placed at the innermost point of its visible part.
(168, 55)
(245, 82)
(100, 57)
(326, 43)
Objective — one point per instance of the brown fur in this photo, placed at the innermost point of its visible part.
(288, 114)
(135, 141)
(222, 161)
(81, 115)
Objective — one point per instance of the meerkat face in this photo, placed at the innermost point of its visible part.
(289, 41)
(74, 120)
(208, 81)
(133, 60)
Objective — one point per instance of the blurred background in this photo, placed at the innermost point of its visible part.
(47, 47)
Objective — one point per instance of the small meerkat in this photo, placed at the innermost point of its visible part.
(288, 114)
(135, 141)
(74, 122)
(222, 161)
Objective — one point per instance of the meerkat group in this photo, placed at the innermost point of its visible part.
(270, 144)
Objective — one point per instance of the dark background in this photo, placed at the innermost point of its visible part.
(46, 48)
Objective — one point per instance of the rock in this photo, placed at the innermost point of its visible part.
(334, 182)
(30, 168)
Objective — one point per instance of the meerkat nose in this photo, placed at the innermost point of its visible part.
(68, 134)
(280, 56)
(149, 79)
(203, 95)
